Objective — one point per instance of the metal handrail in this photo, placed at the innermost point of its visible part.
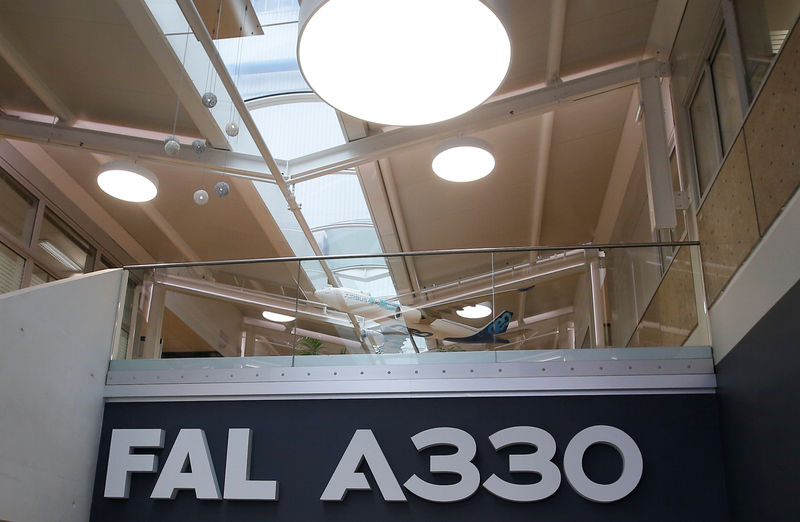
(411, 254)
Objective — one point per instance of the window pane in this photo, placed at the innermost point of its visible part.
(11, 266)
(729, 105)
(763, 26)
(64, 246)
(19, 208)
(704, 132)
(40, 276)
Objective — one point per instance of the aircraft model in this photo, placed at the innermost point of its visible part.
(410, 319)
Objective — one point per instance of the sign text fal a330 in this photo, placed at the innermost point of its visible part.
(191, 446)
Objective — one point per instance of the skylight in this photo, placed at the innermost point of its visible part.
(267, 75)
(190, 54)
(336, 198)
(336, 210)
(294, 129)
(294, 122)
(276, 11)
(264, 69)
(264, 65)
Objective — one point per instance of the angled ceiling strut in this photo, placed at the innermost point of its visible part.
(201, 32)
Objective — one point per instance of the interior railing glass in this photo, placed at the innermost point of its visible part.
(479, 305)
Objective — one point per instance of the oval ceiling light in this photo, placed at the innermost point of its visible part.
(463, 159)
(402, 62)
(127, 181)
(278, 318)
(474, 312)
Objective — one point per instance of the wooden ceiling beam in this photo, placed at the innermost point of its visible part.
(488, 115)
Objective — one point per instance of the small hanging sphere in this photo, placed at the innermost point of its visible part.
(171, 146)
(200, 197)
(199, 146)
(209, 99)
(222, 189)
(232, 129)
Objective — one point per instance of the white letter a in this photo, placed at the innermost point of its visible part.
(363, 447)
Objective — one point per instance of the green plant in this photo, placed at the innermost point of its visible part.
(310, 346)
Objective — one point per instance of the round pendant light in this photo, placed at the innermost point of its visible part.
(127, 181)
(278, 318)
(402, 62)
(475, 312)
(463, 159)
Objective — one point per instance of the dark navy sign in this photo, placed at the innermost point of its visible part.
(303, 451)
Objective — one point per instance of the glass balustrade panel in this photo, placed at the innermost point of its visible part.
(469, 307)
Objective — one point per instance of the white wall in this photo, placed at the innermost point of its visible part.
(55, 344)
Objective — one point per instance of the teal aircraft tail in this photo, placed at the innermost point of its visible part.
(496, 326)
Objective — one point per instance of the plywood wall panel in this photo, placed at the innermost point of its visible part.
(726, 222)
(671, 315)
(773, 137)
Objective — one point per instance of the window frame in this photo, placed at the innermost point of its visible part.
(29, 250)
(723, 33)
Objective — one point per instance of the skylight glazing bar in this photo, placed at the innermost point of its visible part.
(193, 17)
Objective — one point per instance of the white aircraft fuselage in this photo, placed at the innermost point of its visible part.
(364, 305)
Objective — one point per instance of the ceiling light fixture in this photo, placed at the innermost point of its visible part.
(127, 181)
(475, 312)
(60, 256)
(402, 62)
(463, 159)
(278, 318)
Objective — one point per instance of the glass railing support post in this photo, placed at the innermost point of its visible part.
(702, 335)
(154, 318)
(596, 284)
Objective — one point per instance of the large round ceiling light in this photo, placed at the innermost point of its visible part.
(463, 159)
(127, 181)
(402, 62)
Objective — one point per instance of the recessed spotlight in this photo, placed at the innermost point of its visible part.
(402, 62)
(278, 318)
(127, 181)
(474, 312)
(463, 159)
